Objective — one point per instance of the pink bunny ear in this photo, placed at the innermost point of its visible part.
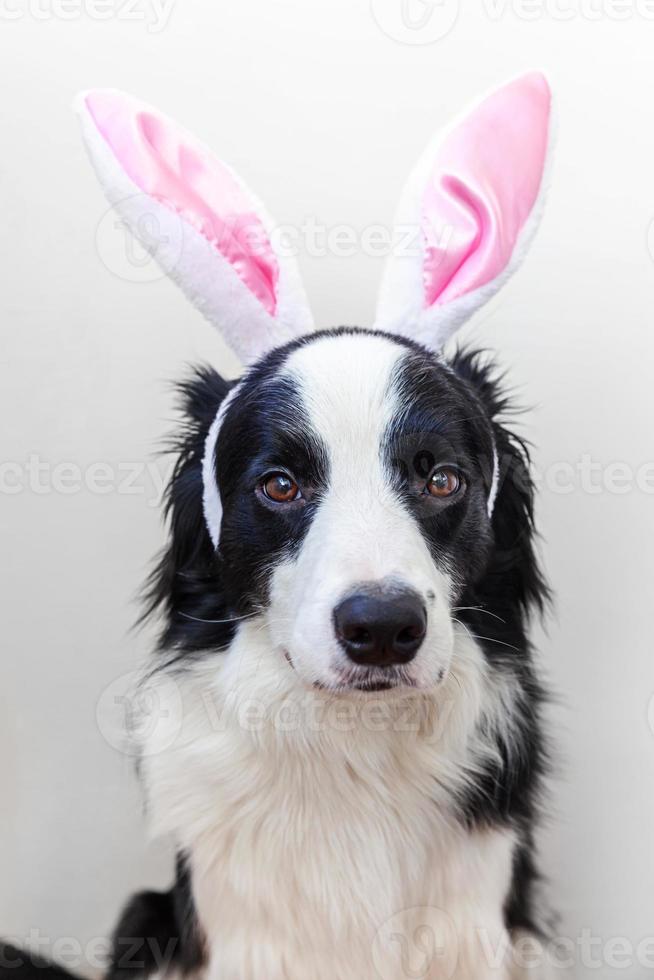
(475, 201)
(205, 228)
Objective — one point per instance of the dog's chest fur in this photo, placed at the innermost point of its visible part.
(344, 901)
(321, 835)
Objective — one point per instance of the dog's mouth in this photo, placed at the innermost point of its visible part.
(372, 680)
(374, 686)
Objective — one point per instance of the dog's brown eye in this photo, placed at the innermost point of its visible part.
(280, 488)
(444, 482)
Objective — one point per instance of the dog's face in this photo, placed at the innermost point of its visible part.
(354, 472)
(349, 491)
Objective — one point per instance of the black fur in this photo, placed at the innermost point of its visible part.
(201, 591)
(157, 930)
(496, 607)
(457, 411)
(19, 964)
(441, 419)
(185, 584)
(265, 428)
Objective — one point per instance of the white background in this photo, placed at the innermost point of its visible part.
(323, 111)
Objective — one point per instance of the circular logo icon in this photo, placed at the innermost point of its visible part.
(416, 944)
(146, 254)
(415, 21)
(140, 716)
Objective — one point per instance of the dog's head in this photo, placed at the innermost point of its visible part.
(365, 497)
(344, 489)
(356, 475)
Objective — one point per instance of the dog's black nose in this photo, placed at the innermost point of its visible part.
(381, 629)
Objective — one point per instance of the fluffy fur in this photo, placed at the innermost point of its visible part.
(312, 815)
(207, 278)
(337, 820)
(401, 308)
(346, 803)
(167, 187)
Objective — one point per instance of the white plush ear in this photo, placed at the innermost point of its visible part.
(199, 220)
(474, 201)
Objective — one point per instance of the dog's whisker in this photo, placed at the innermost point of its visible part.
(338, 490)
(198, 619)
(489, 639)
(478, 609)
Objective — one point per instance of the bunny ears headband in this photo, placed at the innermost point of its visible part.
(474, 201)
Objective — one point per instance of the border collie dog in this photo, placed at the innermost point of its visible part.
(356, 760)
(352, 757)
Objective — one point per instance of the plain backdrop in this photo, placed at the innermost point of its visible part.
(323, 108)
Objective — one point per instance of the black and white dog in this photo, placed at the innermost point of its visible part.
(352, 756)
(357, 750)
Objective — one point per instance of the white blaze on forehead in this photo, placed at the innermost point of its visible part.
(347, 387)
(346, 384)
(211, 502)
(347, 392)
(362, 531)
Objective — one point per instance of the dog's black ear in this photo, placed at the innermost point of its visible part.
(495, 610)
(185, 583)
(513, 580)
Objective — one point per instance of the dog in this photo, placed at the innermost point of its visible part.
(360, 716)
(348, 747)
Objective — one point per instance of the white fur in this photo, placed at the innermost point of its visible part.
(208, 279)
(214, 287)
(342, 364)
(314, 821)
(362, 532)
(495, 484)
(321, 822)
(211, 502)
